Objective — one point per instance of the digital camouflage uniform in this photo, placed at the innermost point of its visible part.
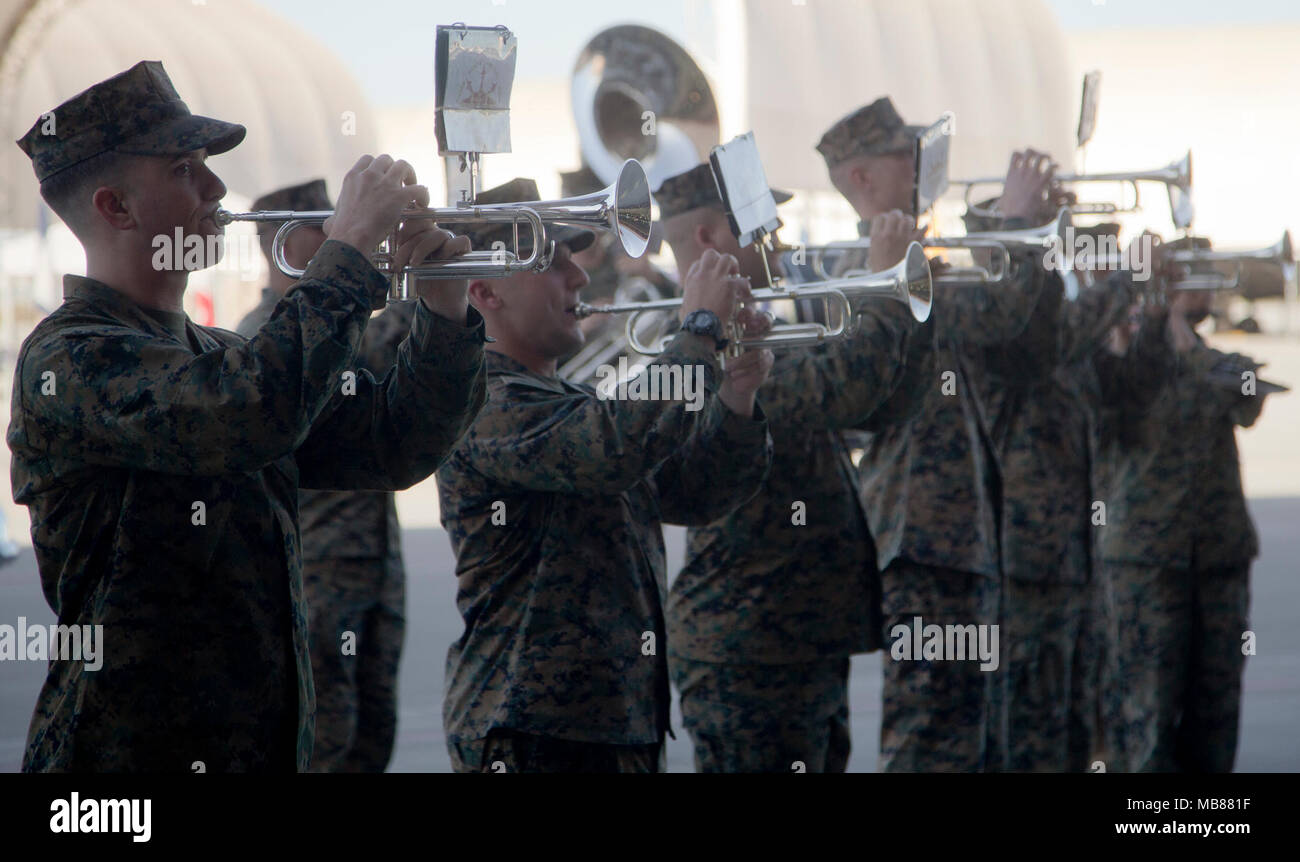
(1178, 544)
(1115, 387)
(553, 504)
(161, 460)
(1054, 607)
(931, 483)
(563, 595)
(353, 577)
(775, 597)
(931, 480)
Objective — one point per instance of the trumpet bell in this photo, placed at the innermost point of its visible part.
(622, 207)
(918, 286)
(632, 203)
(908, 282)
(1183, 172)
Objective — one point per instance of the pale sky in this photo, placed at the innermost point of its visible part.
(388, 44)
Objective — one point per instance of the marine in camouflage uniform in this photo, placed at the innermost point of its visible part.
(1119, 379)
(553, 504)
(775, 597)
(1178, 544)
(1053, 614)
(1059, 605)
(353, 578)
(930, 481)
(161, 460)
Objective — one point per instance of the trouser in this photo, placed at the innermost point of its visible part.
(506, 750)
(937, 715)
(1180, 664)
(765, 717)
(356, 619)
(1053, 638)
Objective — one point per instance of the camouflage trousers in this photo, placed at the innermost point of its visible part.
(1179, 665)
(515, 751)
(765, 717)
(937, 716)
(1053, 643)
(355, 674)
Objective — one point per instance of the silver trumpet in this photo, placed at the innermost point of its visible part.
(622, 207)
(608, 345)
(909, 282)
(1279, 252)
(999, 243)
(1176, 175)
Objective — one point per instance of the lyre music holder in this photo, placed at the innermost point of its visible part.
(474, 71)
(931, 178)
(746, 196)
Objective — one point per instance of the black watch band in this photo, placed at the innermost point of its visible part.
(701, 321)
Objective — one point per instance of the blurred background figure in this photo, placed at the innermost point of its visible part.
(353, 576)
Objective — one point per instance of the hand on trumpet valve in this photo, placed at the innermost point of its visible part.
(743, 375)
(714, 283)
(1148, 248)
(1057, 196)
(753, 323)
(938, 266)
(891, 234)
(371, 201)
(1025, 192)
(420, 241)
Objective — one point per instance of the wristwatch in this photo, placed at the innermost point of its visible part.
(701, 321)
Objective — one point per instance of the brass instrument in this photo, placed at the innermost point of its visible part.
(1177, 177)
(1000, 243)
(908, 282)
(622, 73)
(622, 207)
(1280, 252)
(609, 344)
(627, 76)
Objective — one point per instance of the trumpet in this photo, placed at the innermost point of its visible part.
(607, 346)
(1280, 253)
(909, 283)
(1000, 243)
(1175, 175)
(622, 207)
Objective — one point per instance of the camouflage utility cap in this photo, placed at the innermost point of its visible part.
(137, 112)
(876, 130)
(693, 189)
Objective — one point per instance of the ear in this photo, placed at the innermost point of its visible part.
(110, 206)
(704, 236)
(860, 176)
(483, 295)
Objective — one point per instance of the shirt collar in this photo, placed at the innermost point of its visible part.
(499, 363)
(119, 305)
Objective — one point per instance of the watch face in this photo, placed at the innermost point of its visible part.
(701, 321)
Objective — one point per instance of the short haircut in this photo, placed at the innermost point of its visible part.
(680, 228)
(69, 191)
